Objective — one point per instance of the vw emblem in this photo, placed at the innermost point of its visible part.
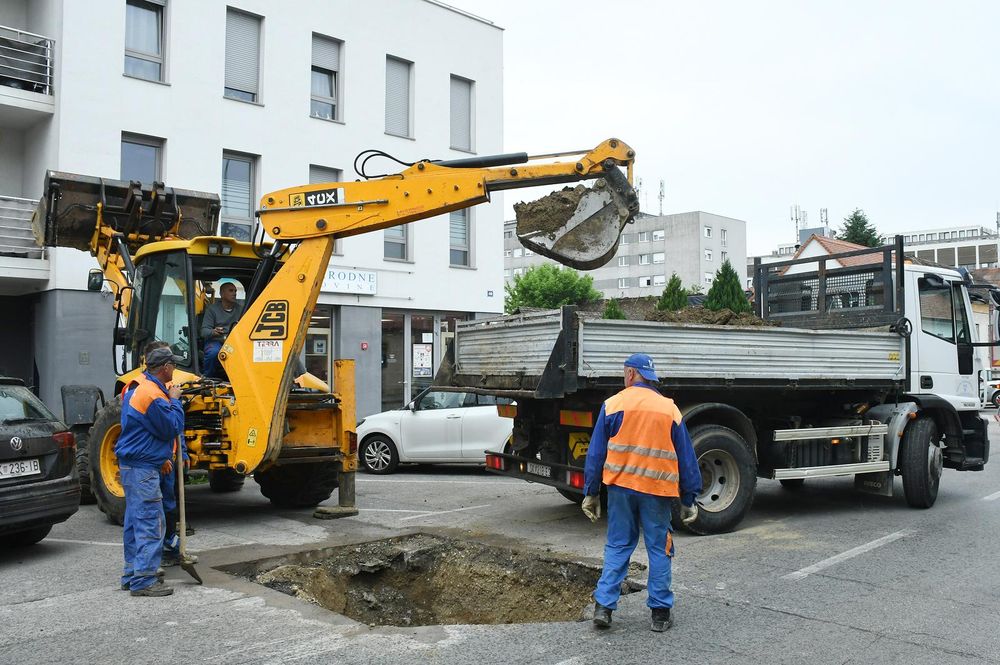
(16, 443)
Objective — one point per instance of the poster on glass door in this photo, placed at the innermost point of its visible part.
(423, 358)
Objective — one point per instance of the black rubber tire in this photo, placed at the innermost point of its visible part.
(26, 537)
(81, 432)
(225, 480)
(111, 505)
(792, 483)
(378, 464)
(575, 497)
(921, 475)
(714, 442)
(996, 399)
(298, 485)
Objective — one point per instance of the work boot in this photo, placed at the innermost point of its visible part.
(155, 590)
(661, 620)
(602, 616)
(159, 573)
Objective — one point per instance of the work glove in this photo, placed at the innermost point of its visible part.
(591, 507)
(689, 513)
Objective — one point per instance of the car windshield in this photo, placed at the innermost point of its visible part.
(17, 404)
(441, 400)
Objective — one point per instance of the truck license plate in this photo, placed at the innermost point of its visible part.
(23, 467)
(539, 470)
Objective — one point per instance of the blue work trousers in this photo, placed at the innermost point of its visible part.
(627, 511)
(142, 536)
(211, 367)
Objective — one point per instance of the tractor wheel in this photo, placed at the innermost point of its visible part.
(81, 432)
(105, 481)
(298, 485)
(225, 480)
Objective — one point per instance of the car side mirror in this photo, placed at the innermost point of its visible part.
(95, 280)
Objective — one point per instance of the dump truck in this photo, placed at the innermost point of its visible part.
(871, 374)
(159, 255)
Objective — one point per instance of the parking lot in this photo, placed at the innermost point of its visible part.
(823, 574)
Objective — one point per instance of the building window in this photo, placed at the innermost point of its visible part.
(961, 234)
(645, 282)
(518, 252)
(622, 261)
(508, 234)
(645, 259)
(923, 237)
(658, 235)
(144, 39)
(397, 97)
(659, 257)
(626, 238)
(461, 113)
(528, 252)
(518, 272)
(238, 195)
(506, 273)
(507, 253)
(708, 255)
(325, 78)
(659, 280)
(458, 234)
(643, 236)
(142, 159)
(725, 256)
(396, 240)
(319, 175)
(708, 277)
(708, 231)
(722, 236)
(242, 56)
(623, 282)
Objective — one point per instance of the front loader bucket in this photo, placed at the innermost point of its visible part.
(579, 227)
(67, 212)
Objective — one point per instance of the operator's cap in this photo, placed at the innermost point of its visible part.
(227, 280)
(644, 364)
(161, 356)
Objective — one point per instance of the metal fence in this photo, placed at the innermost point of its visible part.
(16, 237)
(25, 61)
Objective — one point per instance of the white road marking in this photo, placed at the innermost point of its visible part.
(992, 497)
(443, 482)
(390, 510)
(844, 556)
(81, 542)
(444, 512)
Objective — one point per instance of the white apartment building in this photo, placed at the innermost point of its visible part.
(242, 98)
(692, 244)
(969, 246)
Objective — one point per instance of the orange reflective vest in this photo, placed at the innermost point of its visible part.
(641, 454)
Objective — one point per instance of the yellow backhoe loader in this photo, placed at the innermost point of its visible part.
(157, 251)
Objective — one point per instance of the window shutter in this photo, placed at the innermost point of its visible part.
(242, 51)
(461, 113)
(326, 53)
(458, 228)
(397, 97)
(321, 174)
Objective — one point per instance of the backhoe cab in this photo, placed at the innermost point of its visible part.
(263, 415)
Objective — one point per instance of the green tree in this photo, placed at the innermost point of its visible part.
(613, 311)
(727, 291)
(859, 230)
(549, 286)
(674, 297)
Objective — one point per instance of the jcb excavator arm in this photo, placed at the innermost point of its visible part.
(258, 352)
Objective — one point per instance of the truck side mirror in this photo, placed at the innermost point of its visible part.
(121, 336)
(95, 280)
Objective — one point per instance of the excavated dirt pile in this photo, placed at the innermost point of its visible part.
(549, 213)
(723, 317)
(423, 580)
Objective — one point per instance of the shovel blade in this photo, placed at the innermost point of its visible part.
(580, 227)
(189, 568)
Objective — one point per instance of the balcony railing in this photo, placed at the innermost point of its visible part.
(16, 237)
(25, 61)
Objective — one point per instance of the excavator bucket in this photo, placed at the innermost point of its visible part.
(67, 212)
(579, 227)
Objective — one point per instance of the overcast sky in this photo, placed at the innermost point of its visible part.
(746, 108)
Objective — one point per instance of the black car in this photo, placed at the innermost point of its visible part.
(39, 485)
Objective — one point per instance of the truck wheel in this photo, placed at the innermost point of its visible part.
(575, 497)
(921, 462)
(225, 480)
(298, 485)
(728, 479)
(83, 464)
(996, 399)
(379, 455)
(105, 481)
(793, 483)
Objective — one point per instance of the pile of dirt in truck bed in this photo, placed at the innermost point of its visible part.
(644, 309)
(549, 213)
(421, 580)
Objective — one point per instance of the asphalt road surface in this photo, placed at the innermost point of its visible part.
(819, 575)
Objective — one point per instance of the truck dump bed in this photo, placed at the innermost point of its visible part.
(559, 352)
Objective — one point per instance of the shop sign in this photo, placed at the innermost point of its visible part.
(343, 280)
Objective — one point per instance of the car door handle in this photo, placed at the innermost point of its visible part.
(452, 417)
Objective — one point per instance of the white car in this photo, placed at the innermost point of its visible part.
(436, 427)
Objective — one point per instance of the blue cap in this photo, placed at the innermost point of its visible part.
(227, 280)
(644, 364)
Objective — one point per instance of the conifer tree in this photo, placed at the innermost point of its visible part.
(674, 297)
(613, 311)
(727, 291)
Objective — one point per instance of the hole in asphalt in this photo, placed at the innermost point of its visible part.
(421, 580)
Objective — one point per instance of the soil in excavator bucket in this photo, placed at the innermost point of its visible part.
(67, 212)
(578, 226)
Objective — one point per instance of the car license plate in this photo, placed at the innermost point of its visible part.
(23, 467)
(539, 470)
